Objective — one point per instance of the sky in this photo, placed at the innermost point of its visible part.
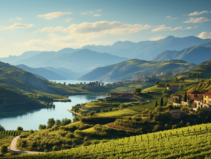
(51, 25)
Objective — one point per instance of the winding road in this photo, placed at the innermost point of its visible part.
(13, 144)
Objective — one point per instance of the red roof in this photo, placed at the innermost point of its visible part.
(194, 92)
(207, 94)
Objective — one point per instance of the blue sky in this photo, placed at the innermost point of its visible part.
(53, 25)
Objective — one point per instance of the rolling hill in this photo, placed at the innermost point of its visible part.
(146, 50)
(195, 54)
(135, 68)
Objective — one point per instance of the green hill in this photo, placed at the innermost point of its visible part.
(195, 54)
(135, 68)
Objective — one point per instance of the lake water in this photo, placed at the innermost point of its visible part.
(32, 120)
(74, 81)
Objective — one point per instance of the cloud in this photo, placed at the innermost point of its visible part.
(97, 15)
(156, 38)
(84, 13)
(68, 19)
(99, 10)
(197, 13)
(101, 27)
(18, 18)
(18, 25)
(197, 20)
(53, 15)
(170, 18)
(205, 35)
(164, 28)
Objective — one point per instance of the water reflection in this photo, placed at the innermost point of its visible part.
(31, 119)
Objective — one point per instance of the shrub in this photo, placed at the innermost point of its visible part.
(3, 149)
(19, 128)
(55, 148)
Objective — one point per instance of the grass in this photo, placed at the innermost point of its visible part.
(122, 112)
(89, 130)
(100, 104)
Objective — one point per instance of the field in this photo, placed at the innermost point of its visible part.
(188, 142)
(122, 112)
(5, 140)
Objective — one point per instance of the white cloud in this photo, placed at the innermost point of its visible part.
(99, 10)
(156, 38)
(18, 18)
(101, 27)
(18, 25)
(197, 20)
(205, 35)
(68, 19)
(164, 28)
(53, 15)
(171, 18)
(97, 15)
(197, 13)
(84, 13)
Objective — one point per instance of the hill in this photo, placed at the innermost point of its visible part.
(133, 69)
(50, 73)
(81, 61)
(146, 50)
(195, 54)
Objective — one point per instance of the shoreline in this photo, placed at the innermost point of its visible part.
(73, 112)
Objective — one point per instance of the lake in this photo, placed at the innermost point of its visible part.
(32, 120)
(74, 81)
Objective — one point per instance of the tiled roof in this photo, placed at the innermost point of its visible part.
(194, 92)
(207, 94)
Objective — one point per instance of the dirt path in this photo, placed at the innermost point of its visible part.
(13, 147)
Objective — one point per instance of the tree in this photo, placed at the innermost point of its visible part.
(185, 97)
(51, 122)
(161, 101)
(19, 128)
(92, 113)
(58, 123)
(65, 121)
(3, 149)
(42, 126)
(156, 104)
(157, 82)
(2, 128)
(137, 91)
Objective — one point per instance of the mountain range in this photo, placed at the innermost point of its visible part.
(195, 54)
(51, 73)
(146, 50)
(133, 69)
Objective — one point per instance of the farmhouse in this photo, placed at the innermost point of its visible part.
(195, 95)
(207, 98)
(174, 98)
(177, 113)
(120, 96)
(173, 88)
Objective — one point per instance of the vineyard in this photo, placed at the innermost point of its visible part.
(189, 142)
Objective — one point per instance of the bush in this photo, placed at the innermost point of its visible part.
(2, 128)
(3, 149)
(19, 128)
(55, 148)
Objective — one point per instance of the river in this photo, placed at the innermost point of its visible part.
(32, 120)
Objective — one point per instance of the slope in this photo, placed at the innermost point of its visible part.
(146, 50)
(133, 69)
(195, 54)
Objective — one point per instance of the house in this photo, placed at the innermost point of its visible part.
(195, 95)
(174, 98)
(207, 98)
(173, 88)
(120, 96)
(177, 113)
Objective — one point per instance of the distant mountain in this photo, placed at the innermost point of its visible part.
(195, 54)
(81, 61)
(43, 72)
(147, 50)
(135, 68)
(25, 55)
(206, 44)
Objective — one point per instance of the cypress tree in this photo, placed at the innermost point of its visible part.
(161, 101)
(156, 104)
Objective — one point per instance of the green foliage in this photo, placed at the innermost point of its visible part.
(58, 122)
(3, 149)
(137, 91)
(19, 128)
(51, 122)
(65, 121)
(42, 126)
(2, 128)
